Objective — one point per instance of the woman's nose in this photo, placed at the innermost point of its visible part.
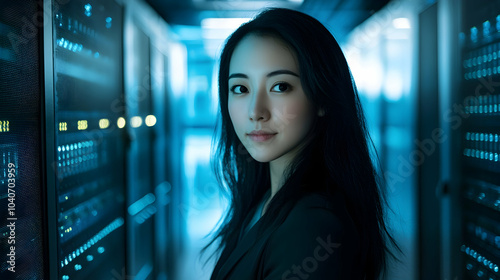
(258, 109)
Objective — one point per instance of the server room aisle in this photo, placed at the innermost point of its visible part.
(190, 265)
(201, 208)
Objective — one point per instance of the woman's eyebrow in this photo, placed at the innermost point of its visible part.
(280, 72)
(237, 75)
(274, 73)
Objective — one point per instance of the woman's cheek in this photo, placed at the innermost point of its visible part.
(235, 116)
(295, 111)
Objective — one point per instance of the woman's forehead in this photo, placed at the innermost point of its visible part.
(262, 52)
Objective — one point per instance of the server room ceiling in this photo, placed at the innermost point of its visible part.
(342, 16)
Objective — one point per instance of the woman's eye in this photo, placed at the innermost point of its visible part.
(281, 87)
(239, 89)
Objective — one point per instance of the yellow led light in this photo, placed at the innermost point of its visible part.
(103, 123)
(121, 122)
(136, 121)
(63, 126)
(82, 125)
(150, 120)
(4, 126)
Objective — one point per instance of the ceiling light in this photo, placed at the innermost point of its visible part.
(401, 23)
(223, 23)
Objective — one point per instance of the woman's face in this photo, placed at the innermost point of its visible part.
(267, 105)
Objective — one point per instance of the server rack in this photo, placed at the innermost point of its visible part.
(140, 172)
(89, 142)
(21, 195)
(84, 142)
(479, 140)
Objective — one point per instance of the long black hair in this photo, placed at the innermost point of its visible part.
(338, 159)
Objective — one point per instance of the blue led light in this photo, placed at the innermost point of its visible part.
(88, 10)
(486, 28)
(109, 22)
(100, 250)
(90, 258)
(96, 55)
(473, 34)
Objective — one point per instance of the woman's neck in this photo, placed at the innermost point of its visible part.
(276, 168)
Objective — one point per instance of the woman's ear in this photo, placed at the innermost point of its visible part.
(321, 112)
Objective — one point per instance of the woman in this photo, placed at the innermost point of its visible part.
(293, 153)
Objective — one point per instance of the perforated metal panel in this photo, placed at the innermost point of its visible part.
(480, 143)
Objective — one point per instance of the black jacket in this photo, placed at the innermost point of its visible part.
(317, 241)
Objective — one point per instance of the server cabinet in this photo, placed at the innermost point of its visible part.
(89, 142)
(141, 197)
(428, 120)
(479, 140)
(21, 195)
(83, 148)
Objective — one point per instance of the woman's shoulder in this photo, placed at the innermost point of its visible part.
(317, 233)
(317, 212)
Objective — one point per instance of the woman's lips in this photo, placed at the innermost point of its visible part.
(261, 136)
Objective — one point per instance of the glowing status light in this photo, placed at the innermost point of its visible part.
(141, 204)
(90, 258)
(486, 28)
(4, 126)
(109, 22)
(136, 121)
(121, 122)
(82, 125)
(63, 126)
(498, 23)
(88, 10)
(103, 123)
(150, 120)
(100, 250)
(473, 34)
(65, 277)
